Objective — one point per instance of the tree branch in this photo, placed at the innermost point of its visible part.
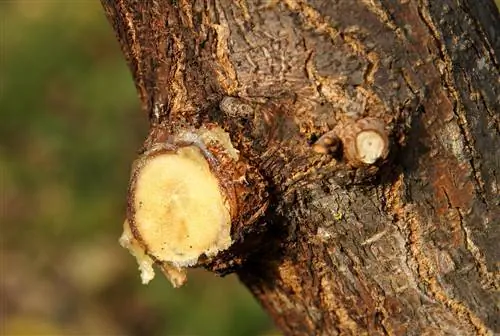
(364, 196)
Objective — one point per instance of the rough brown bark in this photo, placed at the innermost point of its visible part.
(408, 246)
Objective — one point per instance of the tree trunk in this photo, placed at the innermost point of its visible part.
(328, 240)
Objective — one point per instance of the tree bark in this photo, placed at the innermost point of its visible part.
(329, 245)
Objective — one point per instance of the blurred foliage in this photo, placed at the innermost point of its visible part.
(70, 127)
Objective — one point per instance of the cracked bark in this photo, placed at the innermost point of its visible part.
(405, 247)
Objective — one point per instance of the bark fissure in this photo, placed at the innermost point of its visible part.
(491, 48)
(458, 107)
(489, 280)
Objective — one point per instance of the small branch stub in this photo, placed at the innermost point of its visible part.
(177, 209)
(328, 143)
(364, 142)
(370, 142)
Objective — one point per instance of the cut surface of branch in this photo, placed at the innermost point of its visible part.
(370, 146)
(178, 210)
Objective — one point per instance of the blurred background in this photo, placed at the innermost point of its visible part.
(70, 127)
